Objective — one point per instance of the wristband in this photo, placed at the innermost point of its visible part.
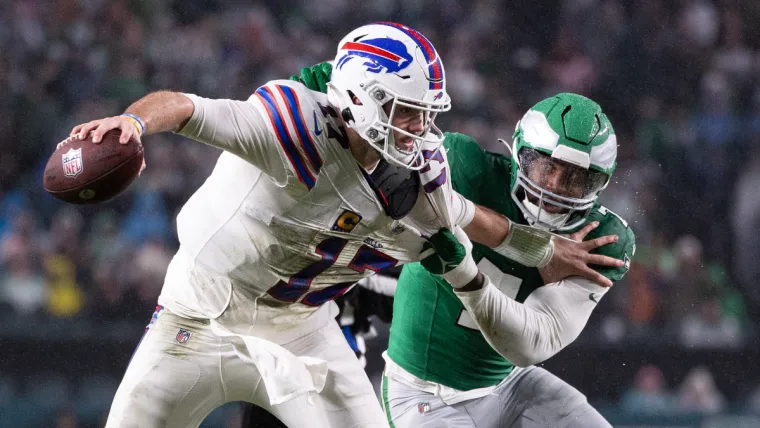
(527, 245)
(139, 124)
(462, 274)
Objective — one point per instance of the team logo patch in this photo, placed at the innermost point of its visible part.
(438, 96)
(397, 228)
(72, 163)
(183, 336)
(346, 222)
(423, 407)
(383, 55)
(372, 243)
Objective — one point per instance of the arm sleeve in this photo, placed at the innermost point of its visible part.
(551, 318)
(270, 131)
(237, 127)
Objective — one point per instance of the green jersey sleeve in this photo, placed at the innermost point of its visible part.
(479, 175)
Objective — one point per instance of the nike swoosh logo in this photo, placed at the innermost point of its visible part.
(317, 131)
(592, 298)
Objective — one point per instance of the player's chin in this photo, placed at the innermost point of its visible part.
(405, 145)
(548, 206)
(553, 209)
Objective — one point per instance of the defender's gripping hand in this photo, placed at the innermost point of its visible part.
(572, 257)
(315, 77)
(447, 254)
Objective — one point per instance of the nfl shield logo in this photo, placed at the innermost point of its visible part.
(72, 163)
(183, 336)
(423, 408)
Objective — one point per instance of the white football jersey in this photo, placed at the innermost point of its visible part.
(287, 220)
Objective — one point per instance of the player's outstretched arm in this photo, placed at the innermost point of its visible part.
(156, 112)
(551, 318)
(529, 333)
(555, 256)
(238, 127)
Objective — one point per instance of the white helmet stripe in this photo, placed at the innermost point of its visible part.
(604, 155)
(537, 131)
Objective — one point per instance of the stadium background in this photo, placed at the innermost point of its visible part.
(674, 344)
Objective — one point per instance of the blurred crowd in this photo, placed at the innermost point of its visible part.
(679, 79)
(650, 395)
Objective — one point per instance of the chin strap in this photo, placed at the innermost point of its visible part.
(542, 218)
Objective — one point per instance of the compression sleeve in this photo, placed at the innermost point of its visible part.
(551, 318)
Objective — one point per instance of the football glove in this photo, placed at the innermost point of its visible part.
(447, 254)
(315, 77)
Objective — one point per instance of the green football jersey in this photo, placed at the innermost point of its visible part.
(432, 335)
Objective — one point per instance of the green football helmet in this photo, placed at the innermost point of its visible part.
(564, 151)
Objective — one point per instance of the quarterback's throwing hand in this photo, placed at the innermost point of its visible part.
(129, 128)
(572, 257)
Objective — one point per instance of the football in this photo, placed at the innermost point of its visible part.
(81, 172)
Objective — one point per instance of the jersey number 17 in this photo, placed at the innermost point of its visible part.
(298, 285)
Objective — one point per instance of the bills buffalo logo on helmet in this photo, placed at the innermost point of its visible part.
(383, 55)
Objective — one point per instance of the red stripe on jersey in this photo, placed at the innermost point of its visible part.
(315, 163)
(284, 139)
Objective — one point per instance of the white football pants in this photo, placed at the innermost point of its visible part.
(528, 398)
(181, 371)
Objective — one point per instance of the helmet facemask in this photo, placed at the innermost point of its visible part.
(370, 120)
(553, 194)
(431, 135)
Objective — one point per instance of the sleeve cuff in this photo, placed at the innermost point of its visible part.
(190, 128)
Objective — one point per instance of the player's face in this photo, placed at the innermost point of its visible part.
(557, 177)
(409, 119)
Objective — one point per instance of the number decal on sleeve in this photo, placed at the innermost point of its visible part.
(365, 258)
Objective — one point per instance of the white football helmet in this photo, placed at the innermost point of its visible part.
(388, 62)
